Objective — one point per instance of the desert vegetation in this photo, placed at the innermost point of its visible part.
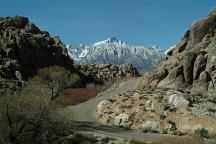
(34, 115)
(57, 79)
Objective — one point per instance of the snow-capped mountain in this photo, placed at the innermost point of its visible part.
(77, 52)
(115, 51)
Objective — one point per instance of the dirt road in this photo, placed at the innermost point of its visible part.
(85, 120)
(86, 111)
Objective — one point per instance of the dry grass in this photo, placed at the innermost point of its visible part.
(172, 140)
(180, 140)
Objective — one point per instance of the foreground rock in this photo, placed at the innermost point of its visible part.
(150, 126)
(122, 120)
(178, 100)
(160, 111)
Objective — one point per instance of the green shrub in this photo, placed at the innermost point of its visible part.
(162, 117)
(212, 98)
(149, 130)
(134, 141)
(202, 132)
(212, 110)
(196, 96)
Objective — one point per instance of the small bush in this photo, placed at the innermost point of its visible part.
(134, 141)
(172, 109)
(212, 98)
(149, 130)
(160, 97)
(212, 110)
(196, 96)
(202, 132)
(164, 131)
(162, 117)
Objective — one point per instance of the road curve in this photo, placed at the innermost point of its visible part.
(86, 111)
(85, 120)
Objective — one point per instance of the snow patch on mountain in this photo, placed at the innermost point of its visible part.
(115, 51)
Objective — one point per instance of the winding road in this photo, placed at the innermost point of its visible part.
(86, 111)
(85, 119)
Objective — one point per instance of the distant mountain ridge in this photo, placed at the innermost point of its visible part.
(114, 51)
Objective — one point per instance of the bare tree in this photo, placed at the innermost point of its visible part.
(29, 118)
(57, 78)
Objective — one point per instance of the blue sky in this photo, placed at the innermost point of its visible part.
(138, 22)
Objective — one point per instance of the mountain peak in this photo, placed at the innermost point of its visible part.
(110, 40)
(115, 51)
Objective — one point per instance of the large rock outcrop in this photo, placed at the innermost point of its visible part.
(24, 49)
(106, 72)
(192, 62)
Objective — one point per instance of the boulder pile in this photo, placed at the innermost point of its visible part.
(106, 72)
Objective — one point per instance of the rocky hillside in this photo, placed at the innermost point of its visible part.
(160, 111)
(173, 99)
(192, 61)
(24, 49)
(114, 51)
(106, 72)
